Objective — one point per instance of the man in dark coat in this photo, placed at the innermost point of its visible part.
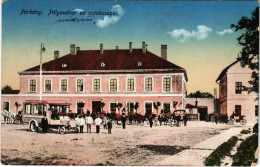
(123, 120)
(44, 123)
(109, 126)
(151, 120)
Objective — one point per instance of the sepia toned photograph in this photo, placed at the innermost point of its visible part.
(130, 83)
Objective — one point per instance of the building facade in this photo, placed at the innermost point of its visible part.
(232, 98)
(97, 80)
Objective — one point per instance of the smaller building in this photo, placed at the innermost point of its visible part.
(203, 107)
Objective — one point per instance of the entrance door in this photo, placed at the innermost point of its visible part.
(96, 106)
(80, 107)
(203, 113)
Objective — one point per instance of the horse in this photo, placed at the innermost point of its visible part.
(9, 117)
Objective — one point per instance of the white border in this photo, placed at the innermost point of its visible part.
(117, 84)
(146, 77)
(44, 85)
(29, 83)
(67, 85)
(131, 77)
(170, 84)
(76, 85)
(100, 84)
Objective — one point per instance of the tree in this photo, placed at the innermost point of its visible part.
(249, 41)
(136, 106)
(199, 94)
(174, 104)
(7, 87)
(156, 106)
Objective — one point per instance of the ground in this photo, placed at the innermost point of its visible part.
(135, 145)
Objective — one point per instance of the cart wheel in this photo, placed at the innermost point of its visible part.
(231, 122)
(243, 122)
(62, 130)
(33, 127)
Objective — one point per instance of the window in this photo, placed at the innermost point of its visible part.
(148, 84)
(6, 106)
(130, 107)
(130, 84)
(80, 107)
(239, 87)
(96, 85)
(166, 84)
(148, 107)
(113, 84)
(113, 107)
(256, 110)
(32, 85)
(80, 85)
(64, 85)
(35, 109)
(237, 110)
(47, 87)
(166, 107)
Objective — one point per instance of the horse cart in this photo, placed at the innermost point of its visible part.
(57, 114)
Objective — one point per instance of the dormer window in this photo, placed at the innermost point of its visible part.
(103, 64)
(139, 63)
(64, 65)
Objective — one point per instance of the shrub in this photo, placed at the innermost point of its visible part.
(255, 128)
(246, 152)
(244, 131)
(214, 159)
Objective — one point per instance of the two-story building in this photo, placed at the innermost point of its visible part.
(83, 79)
(232, 99)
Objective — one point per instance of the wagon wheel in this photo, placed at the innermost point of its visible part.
(62, 130)
(243, 122)
(33, 127)
(171, 123)
(231, 122)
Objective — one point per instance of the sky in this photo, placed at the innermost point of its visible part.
(197, 33)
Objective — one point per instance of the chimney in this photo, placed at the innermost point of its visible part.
(101, 48)
(73, 49)
(77, 49)
(130, 47)
(117, 48)
(56, 54)
(164, 51)
(196, 103)
(143, 48)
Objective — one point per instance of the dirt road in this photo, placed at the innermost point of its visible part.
(135, 145)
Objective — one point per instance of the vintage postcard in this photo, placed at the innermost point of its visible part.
(130, 83)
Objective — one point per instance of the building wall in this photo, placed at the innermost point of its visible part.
(88, 101)
(208, 102)
(176, 87)
(87, 96)
(247, 101)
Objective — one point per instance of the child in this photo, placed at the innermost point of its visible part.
(109, 126)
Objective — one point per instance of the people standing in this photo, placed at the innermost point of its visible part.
(109, 126)
(151, 120)
(105, 122)
(81, 123)
(89, 121)
(123, 119)
(185, 119)
(77, 122)
(98, 122)
(44, 123)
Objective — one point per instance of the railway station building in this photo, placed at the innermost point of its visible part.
(98, 80)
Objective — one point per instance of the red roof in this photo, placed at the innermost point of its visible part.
(111, 59)
(10, 91)
(188, 105)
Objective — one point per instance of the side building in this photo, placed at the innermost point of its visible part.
(232, 99)
(99, 80)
